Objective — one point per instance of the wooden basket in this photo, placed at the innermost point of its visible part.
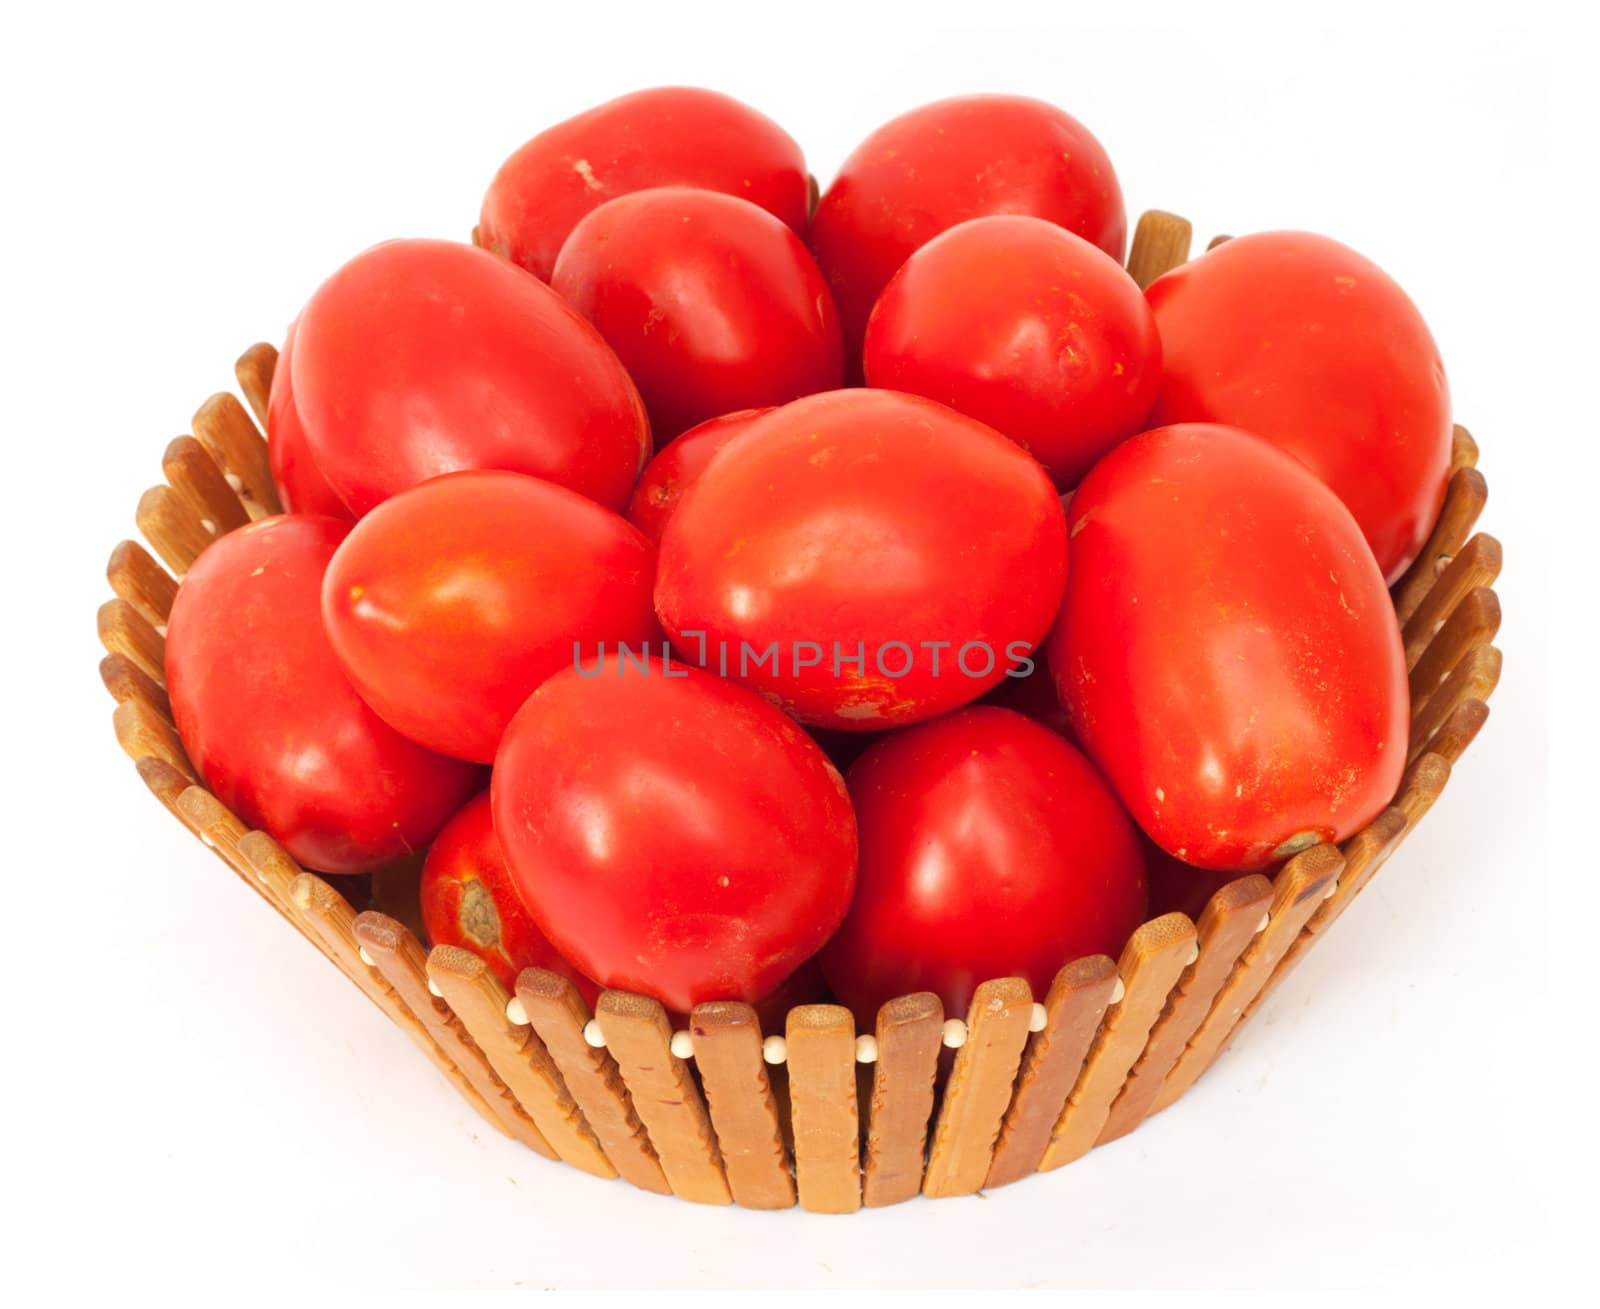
(818, 1113)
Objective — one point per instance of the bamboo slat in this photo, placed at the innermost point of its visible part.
(821, 1041)
(979, 1088)
(127, 681)
(1160, 244)
(1465, 496)
(1463, 449)
(254, 371)
(559, 1014)
(1475, 622)
(193, 473)
(517, 1056)
(1299, 890)
(1227, 926)
(144, 734)
(1477, 565)
(172, 527)
(141, 582)
(1073, 1010)
(1215, 241)
(733, 1075)
(225, 429)
(909, 1035)
(402, 962)
(1474, 678)
(123, 630)
(640, 1040)
(1150, 966)
(1459, 730)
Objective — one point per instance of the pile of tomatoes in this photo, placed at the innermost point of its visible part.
(613, 537)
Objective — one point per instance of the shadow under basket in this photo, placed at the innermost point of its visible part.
(817, 1114)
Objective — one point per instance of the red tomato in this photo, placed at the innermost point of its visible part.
(668, 136)
(271, 722)
(468, 900)
(449, 603)
(989, 848)
(870, 524)
(713, 304)
(674, 470)
(1027, 327)
(945, 163)
(1227, 650)
(302, 488)
(673, 834)
(1299, 339)
(424, 357)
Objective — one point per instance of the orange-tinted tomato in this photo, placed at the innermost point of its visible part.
(1227, 650)
(1028, 327)
(1299, 339)
(425, 357)
(675, 469)
(449, 603)
(713, 304)
(666, 136)
(865, 559)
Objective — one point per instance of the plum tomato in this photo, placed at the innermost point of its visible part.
(271, 721)
(666, 136)
(864, 559)
(425, 357)
(1301, 340)
(711, 303)
(449, 603)
(676, 467)
(990, 847)
(302, 489)
(945, 163)
(671, 832)
(1227, 650)
(1029, 328)
(468, 900)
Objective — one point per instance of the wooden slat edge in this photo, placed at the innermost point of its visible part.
(733, 1076)
(1466, 493)
(821, 1041)
(1160, 243)
(909, 1034)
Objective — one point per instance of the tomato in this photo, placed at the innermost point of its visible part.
(1027, 327)
(449, 603)
(468, 900)
(1177, 887)
(424, 357)
(712, 303)
(1299, 339)
(674, 470)
(302, 488)
(945, 163)
(667, 136)
(672, 833)
(864, 559)
(1227, 650)
(270, 720)
(989, 848)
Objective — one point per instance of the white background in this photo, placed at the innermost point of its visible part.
(200, 1104)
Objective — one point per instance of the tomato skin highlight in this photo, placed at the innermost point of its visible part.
(944, 163)
(449, 603)
(469, 900)
(419, 358)
(273, 724)
(673, 835)
(302, 489)
(1227, 651)
(665, 136)
(852, 518)
(990, 847)
(1025, 326)
(711, 303)
(676, 467)
(1299, 339)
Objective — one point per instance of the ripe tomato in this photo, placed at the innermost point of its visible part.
(675, 469)
(667, 136)
(271, 722)
(945, 163)
(864, 524)
(989, 848)
(673, 834)
(1227, 650)
(1299, 339)
(424, 357)
(301, 486)
(1027, 327)
(449, 603)
(713, 304)
(468, 900)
